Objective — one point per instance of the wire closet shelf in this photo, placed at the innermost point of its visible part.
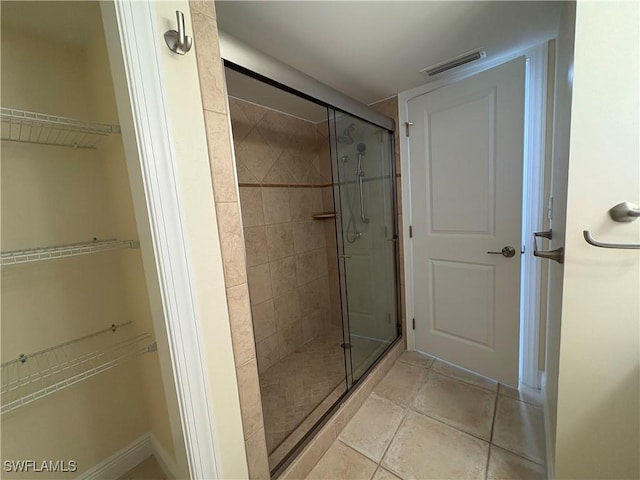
(15, 257)
(45, 129)
(31, 377)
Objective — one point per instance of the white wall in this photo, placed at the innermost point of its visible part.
(598, 389)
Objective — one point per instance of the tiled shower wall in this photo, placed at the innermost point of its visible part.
(284, 175)
(233, 252)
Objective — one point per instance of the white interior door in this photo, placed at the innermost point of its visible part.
(466, 152)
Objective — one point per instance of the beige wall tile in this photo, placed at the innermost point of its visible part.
(275, 202)
(259, 283)
(213, 88)
(257, 456)
(304, 202)
(255, 154)
(264, 320)
(287, 311)
(308, 236)
(312, 325)
(255, 239)
(232, 243)
(244, 348)
(268, 352)
(220, 158)
(251, 206)
(278, 175)
(311, 265)
(245, 176)
(314, 296)
(203, 6)
(283, 276)
(250, 405)
(289, 339)
(279, 240)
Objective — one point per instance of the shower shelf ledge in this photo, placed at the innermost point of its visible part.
(31, 377)
(323, 216)
(45, 129)
(61, 251)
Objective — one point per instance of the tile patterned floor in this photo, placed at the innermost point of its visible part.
(430, 420)
(300, 388)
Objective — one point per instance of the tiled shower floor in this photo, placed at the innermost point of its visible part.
(297, 390)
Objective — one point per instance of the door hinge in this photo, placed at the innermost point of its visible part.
(410, 231)
(413, 323)
(406, 126)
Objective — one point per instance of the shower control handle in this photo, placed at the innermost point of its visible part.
(505, 252)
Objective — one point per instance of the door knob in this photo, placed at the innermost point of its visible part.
(505, 252)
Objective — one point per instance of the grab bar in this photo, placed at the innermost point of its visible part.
(556, 255)
(624, 246)
(622, 212)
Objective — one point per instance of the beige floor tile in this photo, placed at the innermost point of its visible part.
(416, 358)
(372, 428)
(458, 404)
(402, 383)
(424, 449)
(504, 465)
(524, 395)
(382, 474)
(342, 462)
(147, 470)
(463, 375)
(519, 428)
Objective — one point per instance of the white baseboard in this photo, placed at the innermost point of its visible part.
(122, 461)
(129, 457)
(165, 461)
(547, 429)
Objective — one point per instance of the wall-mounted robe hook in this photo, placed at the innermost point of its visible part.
(177, 41)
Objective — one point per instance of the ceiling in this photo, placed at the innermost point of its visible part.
(371, 50)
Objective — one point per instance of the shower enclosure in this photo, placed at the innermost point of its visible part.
(318, 206)
(363, 187)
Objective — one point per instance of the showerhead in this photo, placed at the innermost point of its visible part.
(361, 148)
(346, 135)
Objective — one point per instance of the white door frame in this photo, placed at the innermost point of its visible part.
(533, 197)
(139, 42)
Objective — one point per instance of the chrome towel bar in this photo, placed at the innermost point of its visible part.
(625, 246)
(622, 212)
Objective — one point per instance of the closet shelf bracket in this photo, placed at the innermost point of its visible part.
(30, 377)
(45, 129)
(62, 251)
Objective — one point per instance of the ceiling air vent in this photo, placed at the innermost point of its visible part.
(458, 61)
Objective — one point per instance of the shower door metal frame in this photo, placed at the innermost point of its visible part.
(342, 257)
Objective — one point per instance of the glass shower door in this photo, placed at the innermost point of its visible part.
(363, 184)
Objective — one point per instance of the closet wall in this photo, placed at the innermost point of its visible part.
(53, 195)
